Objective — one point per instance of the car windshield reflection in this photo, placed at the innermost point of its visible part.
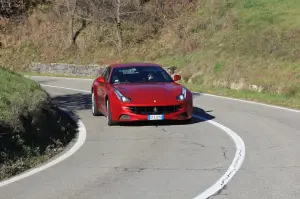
(139, 74)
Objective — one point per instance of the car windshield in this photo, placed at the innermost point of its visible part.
(139, 74)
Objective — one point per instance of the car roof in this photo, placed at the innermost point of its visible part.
(130, 64)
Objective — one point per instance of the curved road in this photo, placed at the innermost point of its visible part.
(171, 161)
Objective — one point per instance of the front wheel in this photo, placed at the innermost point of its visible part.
(95, 110)
(110, 122)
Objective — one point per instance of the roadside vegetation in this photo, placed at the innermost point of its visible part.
(32, 128)
(241, 48)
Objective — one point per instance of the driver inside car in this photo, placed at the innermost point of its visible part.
(150, 76)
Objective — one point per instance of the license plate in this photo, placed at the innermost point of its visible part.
(155, 117)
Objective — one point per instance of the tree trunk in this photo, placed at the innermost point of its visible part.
(72, 28)
(119, 31)
(75, 35)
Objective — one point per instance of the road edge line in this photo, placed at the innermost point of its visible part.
(250, 102)
(205, 94)
(233, 168)
(235, 165)
(60, 157)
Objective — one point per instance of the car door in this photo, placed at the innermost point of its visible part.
(102, 89)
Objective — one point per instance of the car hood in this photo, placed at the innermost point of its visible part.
(147, 93)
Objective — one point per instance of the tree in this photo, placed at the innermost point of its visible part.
(11, 8)
(118, 21)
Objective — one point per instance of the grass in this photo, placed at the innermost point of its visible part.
(18, 95)
(32, 128)
(219, 46)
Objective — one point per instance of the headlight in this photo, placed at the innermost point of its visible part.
(121, 97)
(182, 95)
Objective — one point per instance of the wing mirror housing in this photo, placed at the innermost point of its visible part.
(100, 80)
(177, 77)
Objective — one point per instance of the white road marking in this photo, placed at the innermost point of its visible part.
(79, 142)
(60, 87)
(205, 94)
(235, 165)
(240, 146)
(65, 78)
(250, 102)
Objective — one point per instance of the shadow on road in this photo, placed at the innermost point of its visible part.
(46, 81)
(74, 102)
(196, 94)
(82, 101)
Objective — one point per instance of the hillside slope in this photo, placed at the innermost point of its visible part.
(32, 128)
(234, 44)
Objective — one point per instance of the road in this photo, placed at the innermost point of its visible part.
(171, 161)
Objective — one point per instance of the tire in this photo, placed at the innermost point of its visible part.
(95, 110)
(110, 122)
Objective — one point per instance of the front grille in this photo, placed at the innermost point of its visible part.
(153, 110)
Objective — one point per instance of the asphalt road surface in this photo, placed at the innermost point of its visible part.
(170, 160)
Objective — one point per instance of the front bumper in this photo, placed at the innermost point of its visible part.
(129, 113)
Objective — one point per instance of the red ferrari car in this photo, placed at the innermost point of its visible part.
(139, 92)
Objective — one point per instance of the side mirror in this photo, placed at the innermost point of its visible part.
(177, 77)
(100, 79)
